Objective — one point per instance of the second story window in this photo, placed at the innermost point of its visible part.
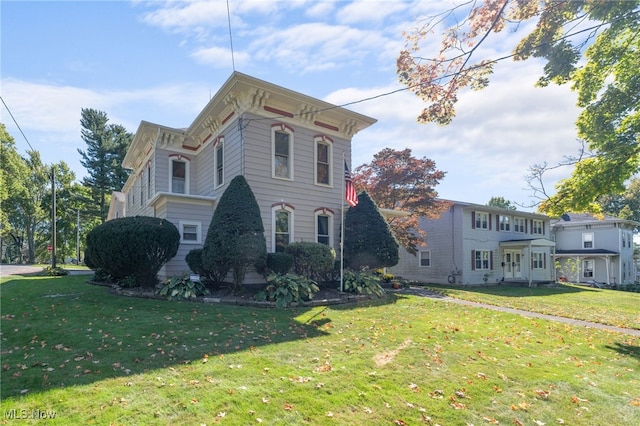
(587, 240)
(219, 161)
(518, 224)
(537, 227)
(179, 172)
(481, 220)
(323, 161)
(505, 223)
(282, 148)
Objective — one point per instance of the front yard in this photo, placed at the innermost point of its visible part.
(90, 357)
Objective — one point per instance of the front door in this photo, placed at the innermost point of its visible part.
(512, 264)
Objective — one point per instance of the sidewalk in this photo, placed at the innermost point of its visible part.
(418, 291)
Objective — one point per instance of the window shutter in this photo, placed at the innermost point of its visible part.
(525, 226)
(473, 220)
(543, 231)
(544, 258)
(531, 225)
(497, 222)
(491, 260)
(473, 260)
(490, 219)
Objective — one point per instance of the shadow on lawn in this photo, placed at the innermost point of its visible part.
(60, 331)
(624, 349)
(507, 290)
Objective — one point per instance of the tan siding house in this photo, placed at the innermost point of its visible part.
(290, 147)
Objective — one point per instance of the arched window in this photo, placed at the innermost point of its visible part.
(282, 151)
(324, 226)
(282, 226)
(323, 164)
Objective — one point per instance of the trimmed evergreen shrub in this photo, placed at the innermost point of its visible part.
(279, 263)
(135, 246)
(194, 260)
(368, 240)
(311, 260)
(235, 239)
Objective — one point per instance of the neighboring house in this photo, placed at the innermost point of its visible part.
(592, 249)
(290, 147)
(476, 244)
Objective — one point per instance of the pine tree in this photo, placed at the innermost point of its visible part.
(368, 240)
(235, 239)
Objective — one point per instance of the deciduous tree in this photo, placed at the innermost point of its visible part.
(501, 202)
(396, 180)
(604, 76)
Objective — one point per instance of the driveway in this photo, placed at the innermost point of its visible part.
(6, 270)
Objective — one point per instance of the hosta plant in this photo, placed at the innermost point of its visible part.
(362, 283)
(288, 288)
(181, 287)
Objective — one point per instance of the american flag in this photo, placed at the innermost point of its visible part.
(349, 191)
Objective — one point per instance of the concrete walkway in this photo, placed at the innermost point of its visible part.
(422, 292)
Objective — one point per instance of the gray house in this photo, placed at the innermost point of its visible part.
(290, 147)
(593, 249)
(476, 244)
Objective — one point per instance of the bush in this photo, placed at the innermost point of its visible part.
(286, 289)
(311, 260)
(179, 288)
(135, 247)
(235, 239)
(331, 278)
(362, 283)
(54, 272)
(279, 263)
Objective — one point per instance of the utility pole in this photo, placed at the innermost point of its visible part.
(53, 217)
(78, 235)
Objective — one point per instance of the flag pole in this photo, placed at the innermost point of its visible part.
(342, 229)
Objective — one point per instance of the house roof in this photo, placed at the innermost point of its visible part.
(582, 252)
(241, 94)
(533, 242)
(498, 210)
(581, 219)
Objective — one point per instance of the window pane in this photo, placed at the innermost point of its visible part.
(323, 229)
(219, 165)
(323, 153)
(178, 173)
(282, 144)
(190, 233)
(282, 221)
(323, 174)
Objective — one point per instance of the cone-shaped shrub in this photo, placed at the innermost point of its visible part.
(368, 240)
(135, 247)
(235, 240)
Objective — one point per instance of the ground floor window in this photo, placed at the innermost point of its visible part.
(481, 259)
(538, 260)
(424, 258)
(282, 225)
(190, 232)
(587, 269)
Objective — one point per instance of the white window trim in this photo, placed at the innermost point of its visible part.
(322, 140)
(593, 242)
(477, 218)
(482, 268)
(420, 265)
(537, 261)
(330, 216)
(519, 221)
(504, 220)
(186, 173)
(537, 230)
(284, 129)
(219, 144)
(274, 210)
(198, 226)
(583, 269)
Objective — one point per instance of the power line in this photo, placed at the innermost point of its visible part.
(16, 123)
(233, 63)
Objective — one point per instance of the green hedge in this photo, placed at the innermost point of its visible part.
(311, 260)
(135, 247)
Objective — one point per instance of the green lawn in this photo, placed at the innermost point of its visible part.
(612, 307)
(90, 357)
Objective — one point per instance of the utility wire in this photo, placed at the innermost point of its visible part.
(16, 123)
(233, 63)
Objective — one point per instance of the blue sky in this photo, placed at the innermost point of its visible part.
(161, 61)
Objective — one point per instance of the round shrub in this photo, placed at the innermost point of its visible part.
(194, 260)
(311, 260)
(135, 246)
(280, 263)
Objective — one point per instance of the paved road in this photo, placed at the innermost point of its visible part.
(6, 270)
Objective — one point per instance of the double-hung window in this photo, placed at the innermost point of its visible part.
(587, 269)
(190, 232)
(179, 176)
(538, 227)
(282, 224)
(324, 225)
(323, 155)
(482, 259)
(537, 260)
(587, 240)
(219, 162)
(424, 258)
(282, 149)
